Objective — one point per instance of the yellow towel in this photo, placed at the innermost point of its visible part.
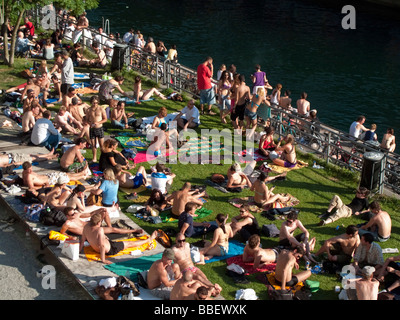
(279, 169)
(92, 255)
(272, 281)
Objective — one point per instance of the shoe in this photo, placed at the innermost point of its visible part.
(321, 223)
(132, 196)
(324, 215)
(211, 113)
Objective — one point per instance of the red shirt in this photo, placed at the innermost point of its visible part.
(29, 26)
(203, 77)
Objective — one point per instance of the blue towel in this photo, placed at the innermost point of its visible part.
(235, 248)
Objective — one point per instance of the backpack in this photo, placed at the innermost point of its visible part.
(270, 230)
(52, 218)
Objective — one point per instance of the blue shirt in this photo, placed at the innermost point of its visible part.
(110, 191)
(186, 218)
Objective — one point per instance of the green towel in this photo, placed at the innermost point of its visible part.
(133, 266)
(201, 213)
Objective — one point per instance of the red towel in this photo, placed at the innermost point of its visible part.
(249, 266)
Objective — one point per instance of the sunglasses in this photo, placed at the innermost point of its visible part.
(181, 241)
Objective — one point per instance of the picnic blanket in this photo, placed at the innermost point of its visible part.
(92, 255)
(235, 248)
(249, 266)
(201, 213)
(133, 266)
(239, 202)
(139, 143)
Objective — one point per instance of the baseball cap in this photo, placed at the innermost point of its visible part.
(368, 271)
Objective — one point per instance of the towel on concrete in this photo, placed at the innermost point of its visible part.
(92, 255)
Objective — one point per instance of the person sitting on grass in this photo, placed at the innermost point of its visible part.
(140, 94)
(119, 118)
(286, 262)
(264, 196)
(219, 245)
(287, 152)
(129, 181)
(245, 224)
(110, 156)
(236, 178)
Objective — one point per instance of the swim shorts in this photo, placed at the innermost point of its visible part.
(138, 180)
(192, 269)
(289, 164)
(115, 247)
(75, 167)
(239, 111)
(96, 133)
(291, 283)
(207, 96)
(251, 115)
(224, 251)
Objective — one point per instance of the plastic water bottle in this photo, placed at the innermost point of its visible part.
(130, 295)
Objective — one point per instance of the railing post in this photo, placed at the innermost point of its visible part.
(328, 148)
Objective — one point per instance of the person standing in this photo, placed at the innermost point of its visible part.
(96, 116)
(207, 94)
(67, 72)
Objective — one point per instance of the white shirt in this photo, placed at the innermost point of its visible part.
(127, 37)
(69, 32)
(354, 132)
(42, 130)
(194, 113)
(159, 181)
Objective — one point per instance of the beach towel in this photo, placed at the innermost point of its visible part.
(201, 213)
(249, 266)
(139, 143)
(129, 101)
(81, 76)
(239, 202)
(133, 266)
(143, 156)
(203, 145)
(92, 255)
(235, 248)
(279, 169)
(269, 279)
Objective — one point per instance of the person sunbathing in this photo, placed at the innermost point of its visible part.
(76, 222)
(72, 160)
(236, 178)
(252, 252)
(18, 158)
(264, 196)
(129, 181)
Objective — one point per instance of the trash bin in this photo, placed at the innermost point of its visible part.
(371, 170)
(118, 58)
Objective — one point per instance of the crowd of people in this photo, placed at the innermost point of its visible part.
(175, 276)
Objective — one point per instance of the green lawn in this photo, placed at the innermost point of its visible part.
(314, 188)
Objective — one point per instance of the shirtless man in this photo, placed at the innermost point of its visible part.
(64, 120)
(163, 274)
(78, 110)
(30, 99)
(96, 116)
(341, 248)
(150, 46)
(184, 260)
(94, 233)
(67, 98)
(29, 117)
(76, 221)
(253, 253)
(242, 95)
(287, 239)
(236, 178)
(119, 118)
(389, 140)
(127, 180)
(303, 105)
(183, 196)
(286, 102)
(367, 287)
(185, 287)
(36, 181)
(72, 160)
(287, 260)
(380, 225)
(31, 85)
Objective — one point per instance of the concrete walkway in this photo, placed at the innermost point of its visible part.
(20, 240)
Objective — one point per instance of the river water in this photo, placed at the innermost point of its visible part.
(298, 43)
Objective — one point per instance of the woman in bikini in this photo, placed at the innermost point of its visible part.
(267, 143)
(288, 157)
(251, 109)
(263, 195)
(389, 141)
(144, 95)
(220, 242)
(224, 100)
